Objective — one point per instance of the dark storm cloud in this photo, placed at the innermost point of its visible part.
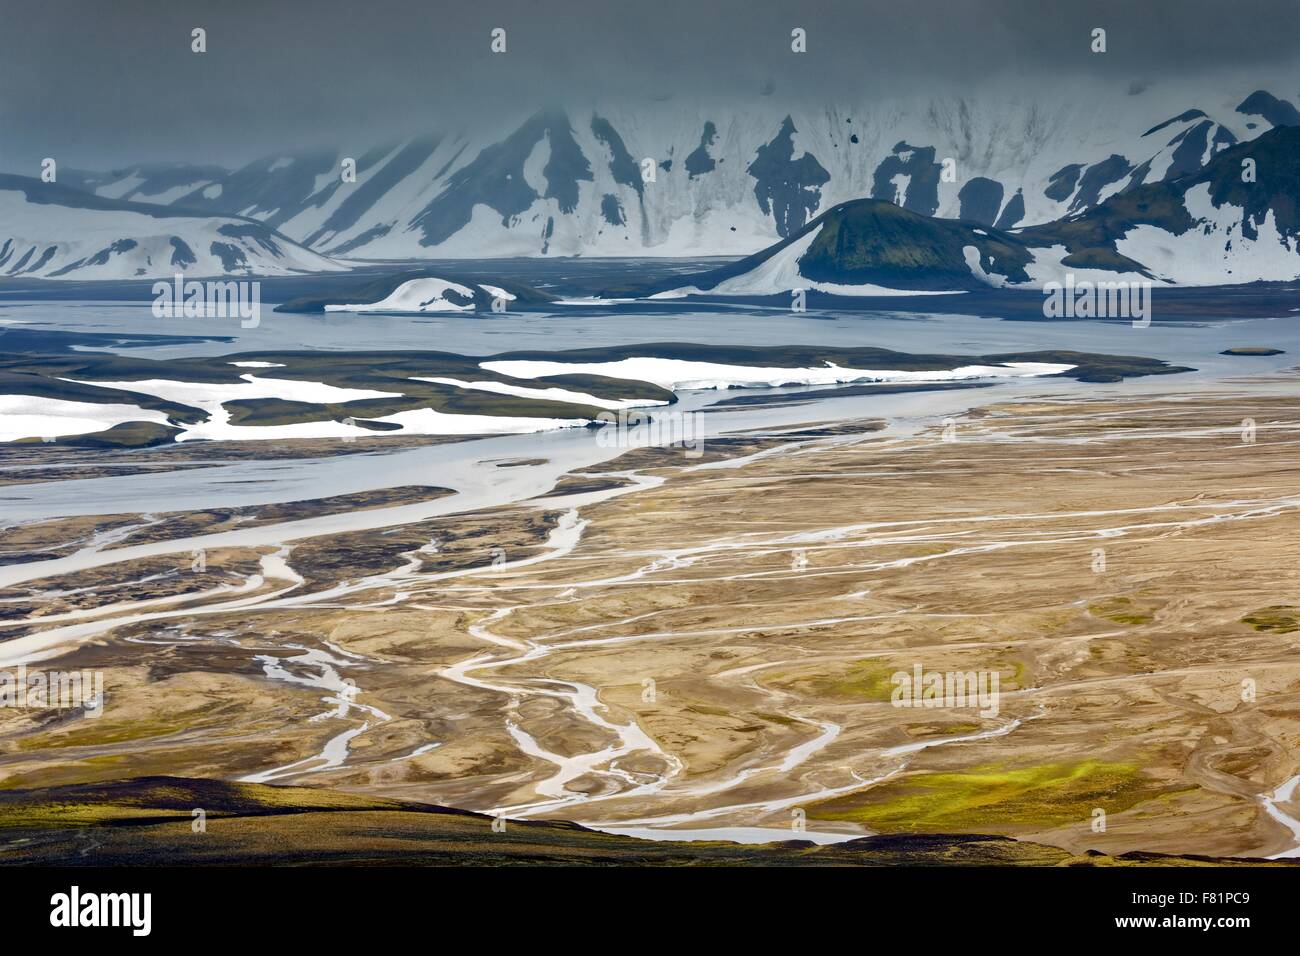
(99, 83)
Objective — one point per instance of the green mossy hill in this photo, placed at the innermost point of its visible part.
(871, 242)
(868, 241)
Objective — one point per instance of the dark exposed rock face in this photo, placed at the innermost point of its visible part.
(612, 210)
(282, 185)
(368, 192)
(917, 163)
(1278, 112)
(980, 200)
(1191, 147)
(495, 178)
(182, 255)
(1013, 213)
(699, 161)
(787, 189)
(622, 166)
(1097, 177)
(1063, 182)
(1185, 117)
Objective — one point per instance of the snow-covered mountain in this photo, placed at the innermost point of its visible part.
(724, 181)
(50, 231)
(153, 183)
(1235, 220)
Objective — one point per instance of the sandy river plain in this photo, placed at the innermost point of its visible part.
(679, 643)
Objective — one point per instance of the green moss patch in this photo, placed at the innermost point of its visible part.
(1278, 619)
(993, 795)
(1121, 610)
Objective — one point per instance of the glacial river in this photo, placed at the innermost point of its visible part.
(466, 467)
(471, 467)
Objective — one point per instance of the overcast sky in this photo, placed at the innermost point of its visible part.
(96, 83)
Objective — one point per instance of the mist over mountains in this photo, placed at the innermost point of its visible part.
(102, 92)
(351, 136)
(675, 181)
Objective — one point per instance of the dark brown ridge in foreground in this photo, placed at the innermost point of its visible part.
(151, 821)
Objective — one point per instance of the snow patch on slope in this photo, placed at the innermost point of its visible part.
(1215, 251)
(686, 374)
(415, 295)
(211, 398)
(26, 416)
(972, 256)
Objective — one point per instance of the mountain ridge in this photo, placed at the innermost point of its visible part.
(1205, 227)
(671, 182)
(52, 231)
